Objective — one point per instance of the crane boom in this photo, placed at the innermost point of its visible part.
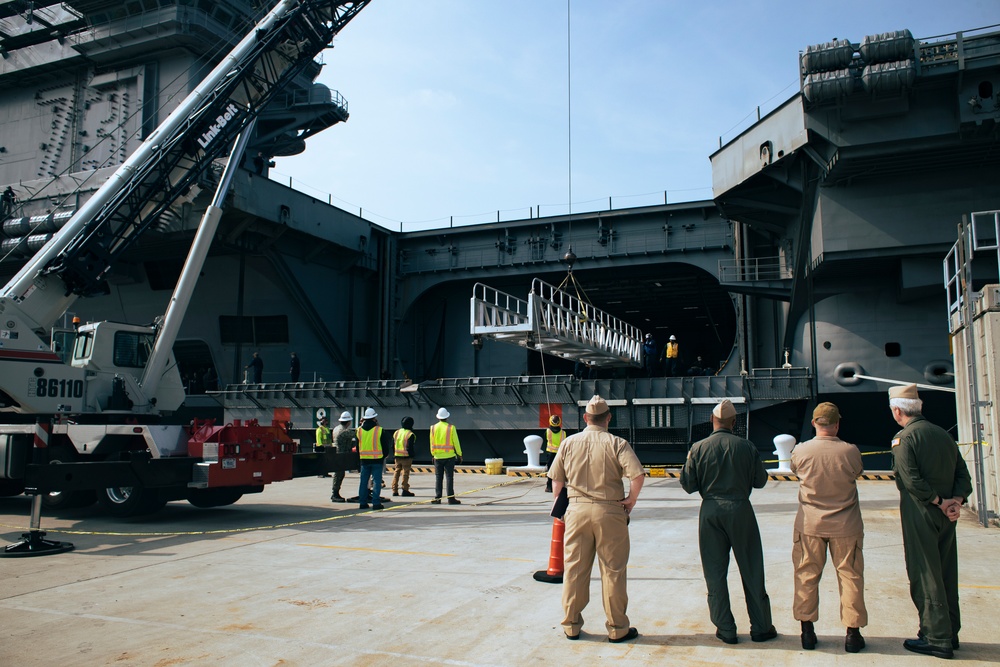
(136, 467)
(76, 261)
(165, 167)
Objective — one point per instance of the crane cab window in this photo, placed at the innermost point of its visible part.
(84, 345)
(132, 349)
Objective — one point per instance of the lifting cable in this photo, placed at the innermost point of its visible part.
(569, 257)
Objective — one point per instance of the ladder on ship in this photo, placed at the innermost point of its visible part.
(555, 322)
(974, 357)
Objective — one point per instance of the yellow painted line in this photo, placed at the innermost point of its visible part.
(378, 551)
(779, 477)
(987, 588)
(291, 524)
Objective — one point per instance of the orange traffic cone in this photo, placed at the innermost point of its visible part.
(554, 575)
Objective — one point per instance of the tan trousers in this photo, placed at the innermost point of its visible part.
(809, 559)
(402, 470)
(595, 529)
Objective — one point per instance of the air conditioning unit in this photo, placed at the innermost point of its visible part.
(990, 300)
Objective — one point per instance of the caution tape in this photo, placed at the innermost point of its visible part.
(226, 531)
(667, 471)
(775, 476)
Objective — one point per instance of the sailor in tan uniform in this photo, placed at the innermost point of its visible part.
(829, 517)
(591, 465)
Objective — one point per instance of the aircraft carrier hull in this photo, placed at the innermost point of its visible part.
(817, 260)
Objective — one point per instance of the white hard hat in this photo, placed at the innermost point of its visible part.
(673, 338)
(443, 413)
(370, 414)
(345, 416)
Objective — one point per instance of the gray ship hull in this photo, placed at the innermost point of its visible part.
(821, 251)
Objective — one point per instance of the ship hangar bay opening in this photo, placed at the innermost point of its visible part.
(653, 268)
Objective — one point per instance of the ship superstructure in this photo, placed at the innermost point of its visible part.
(817, 261)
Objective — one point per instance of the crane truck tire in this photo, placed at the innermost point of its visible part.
(205, 498)
(11, 487)
(126, 501)
(63, 500)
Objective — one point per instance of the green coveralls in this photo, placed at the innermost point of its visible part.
(927, 463)
(724, 468)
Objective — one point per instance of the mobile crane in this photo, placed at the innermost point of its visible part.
(107, 400)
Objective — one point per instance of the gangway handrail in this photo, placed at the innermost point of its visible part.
(498, 310)
(557, 323)
(572, 317)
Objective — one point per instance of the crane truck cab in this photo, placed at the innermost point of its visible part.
(114, 356)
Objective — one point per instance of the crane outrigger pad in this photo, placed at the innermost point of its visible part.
(557, 323)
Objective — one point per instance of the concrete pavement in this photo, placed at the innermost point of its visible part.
(287, 578)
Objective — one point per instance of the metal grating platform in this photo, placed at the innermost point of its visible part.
(554, 322)
(779, 384)
(516, 390)
(344, 394)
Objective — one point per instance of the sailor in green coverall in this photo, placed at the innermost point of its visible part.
(933, 483)
(724, 468)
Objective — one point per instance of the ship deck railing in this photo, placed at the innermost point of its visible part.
(754, 269)
(341, 394)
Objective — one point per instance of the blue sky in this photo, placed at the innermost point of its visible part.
(461, 109)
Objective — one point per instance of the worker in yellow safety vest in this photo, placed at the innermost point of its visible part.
(554, 435)
(403, 440)
(370, 452)
(446, 451)
(324, 438)
(672, 355)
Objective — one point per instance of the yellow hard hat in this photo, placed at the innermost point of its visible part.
(554, 420)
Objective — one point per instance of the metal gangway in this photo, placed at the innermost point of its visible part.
(555, 322)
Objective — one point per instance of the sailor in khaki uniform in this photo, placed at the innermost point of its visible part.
(829, 517)
(933, 483)
(591, 464)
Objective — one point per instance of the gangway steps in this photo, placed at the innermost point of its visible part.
(555, 322)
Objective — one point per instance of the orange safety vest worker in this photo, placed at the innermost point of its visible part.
(370, 443)
(400, 438)
(444, 441)
(553, 440)
(672, 350)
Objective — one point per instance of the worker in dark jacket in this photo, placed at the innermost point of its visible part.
(724, 468)
(255, 368)
(933, 483)
(345, 439)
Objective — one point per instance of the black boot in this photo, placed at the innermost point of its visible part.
(808, 635)
(854, 642)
